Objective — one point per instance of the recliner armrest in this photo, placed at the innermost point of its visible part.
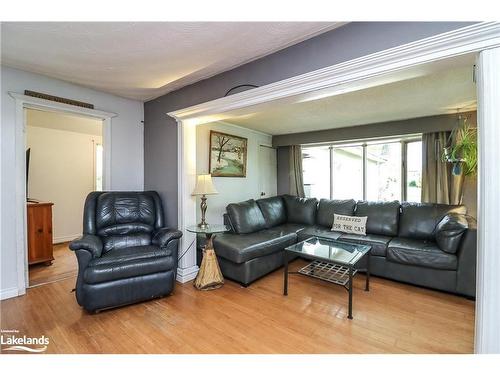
(89, 242)
(162, 236)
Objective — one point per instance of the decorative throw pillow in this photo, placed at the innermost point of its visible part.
(449, 232)
(350, 224)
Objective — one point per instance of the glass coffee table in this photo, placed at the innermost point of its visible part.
(333, 261)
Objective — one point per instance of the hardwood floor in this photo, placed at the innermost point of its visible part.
(64, 265)
(391, 318)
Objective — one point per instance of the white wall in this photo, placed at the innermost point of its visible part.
(231, 189)
(62, 172)
(127, 163)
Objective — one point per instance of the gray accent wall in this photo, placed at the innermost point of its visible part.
(339, 45)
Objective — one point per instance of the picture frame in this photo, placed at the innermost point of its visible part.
(227, 155)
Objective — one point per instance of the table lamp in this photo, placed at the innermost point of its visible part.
(204, 186)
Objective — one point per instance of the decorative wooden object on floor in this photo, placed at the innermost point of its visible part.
(40, 233)
(209, 276)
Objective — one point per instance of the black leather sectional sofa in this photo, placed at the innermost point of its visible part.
(430, 245)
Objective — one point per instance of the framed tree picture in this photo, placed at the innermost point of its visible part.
(228, 155)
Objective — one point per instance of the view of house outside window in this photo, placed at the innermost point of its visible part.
(347, 172)
(373, 171)
(413, 171)
(383, 172)
(316, 169)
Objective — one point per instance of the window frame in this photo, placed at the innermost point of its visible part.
(403, 141)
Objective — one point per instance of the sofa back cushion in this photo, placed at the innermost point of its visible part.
(300, 210)
(117, 242)
(123, 208)
(124, 219)
(274, 211)
(246, 217)
(383, 217)
(328, 207)
(419, 220)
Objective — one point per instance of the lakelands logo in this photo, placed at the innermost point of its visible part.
(11, 340)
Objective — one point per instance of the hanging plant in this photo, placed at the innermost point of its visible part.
(462, 151)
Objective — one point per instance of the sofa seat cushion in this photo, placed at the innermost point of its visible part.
(420, 253)
(239, 248)
(288, 228)
(128, 262)
(318, 231)
(377, 242)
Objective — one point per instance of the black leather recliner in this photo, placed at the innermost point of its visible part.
(125, 255)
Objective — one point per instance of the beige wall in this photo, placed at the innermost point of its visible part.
(62, 172)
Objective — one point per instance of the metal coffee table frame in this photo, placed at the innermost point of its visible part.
(330, 271)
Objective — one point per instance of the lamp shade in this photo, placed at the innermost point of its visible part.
(204, 185)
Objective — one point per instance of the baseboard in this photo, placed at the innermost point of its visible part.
(8, 293)
(187, 274)
(62, 239)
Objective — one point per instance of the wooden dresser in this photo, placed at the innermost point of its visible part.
(40, 233)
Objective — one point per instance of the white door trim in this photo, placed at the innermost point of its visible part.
(337, 78)
(487, 338)
(23, 102)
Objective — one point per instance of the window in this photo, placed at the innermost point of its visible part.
(347, 172)
(315, 164)
(383, 170)
(413, 171)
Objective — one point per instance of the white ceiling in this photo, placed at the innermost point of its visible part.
(144, 60)
(64, 122)
(444, 88)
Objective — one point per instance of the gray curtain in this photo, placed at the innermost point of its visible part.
(439, 185)
(296, 174)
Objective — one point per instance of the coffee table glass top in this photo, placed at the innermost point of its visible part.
(330, 250)
(211, 228)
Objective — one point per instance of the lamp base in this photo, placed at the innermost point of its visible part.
(203, 206)
(203, 225)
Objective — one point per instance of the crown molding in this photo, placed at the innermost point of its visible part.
(462, 41)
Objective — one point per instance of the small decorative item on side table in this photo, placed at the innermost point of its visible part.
(209, 276)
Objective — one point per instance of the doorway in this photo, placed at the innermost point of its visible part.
(267, 171)
(64, 162)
